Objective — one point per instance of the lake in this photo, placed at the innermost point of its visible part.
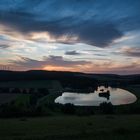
(116, 96)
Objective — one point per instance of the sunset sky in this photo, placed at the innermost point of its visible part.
(92, 36)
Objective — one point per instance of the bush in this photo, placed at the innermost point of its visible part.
(106, 108)
(68, 109)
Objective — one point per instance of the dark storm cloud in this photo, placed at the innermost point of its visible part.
(133, 54)
(47, 61)
(72, 53)
(4, 46)
(93, 22)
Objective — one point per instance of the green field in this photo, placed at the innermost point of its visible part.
(72, 128)
(52, 85)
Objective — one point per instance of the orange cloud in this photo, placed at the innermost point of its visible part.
(59, 68)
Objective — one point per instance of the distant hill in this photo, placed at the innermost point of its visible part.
(68, 77)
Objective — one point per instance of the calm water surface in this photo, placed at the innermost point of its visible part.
(116, 96)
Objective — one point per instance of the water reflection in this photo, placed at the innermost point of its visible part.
(116, 96)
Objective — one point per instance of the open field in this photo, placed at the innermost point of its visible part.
(72, 128)
(52, 85)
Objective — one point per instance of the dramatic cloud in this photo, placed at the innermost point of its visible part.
(71, 19)
(71, 33)
(91, 32)
(48, 61)
(59, 63)
(100, 63)
(4, 46)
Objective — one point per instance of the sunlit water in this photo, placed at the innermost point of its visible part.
(117, 97)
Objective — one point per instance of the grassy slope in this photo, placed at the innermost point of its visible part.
(71, 128)
(134, 89)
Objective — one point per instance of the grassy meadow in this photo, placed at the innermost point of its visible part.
(105, 127)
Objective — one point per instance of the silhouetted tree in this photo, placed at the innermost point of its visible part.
(5, 90)
(24, 91)
(68, 109)
(33, 100)
(43, 91)
(31, 91)
(105, 94)
(15, 90)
